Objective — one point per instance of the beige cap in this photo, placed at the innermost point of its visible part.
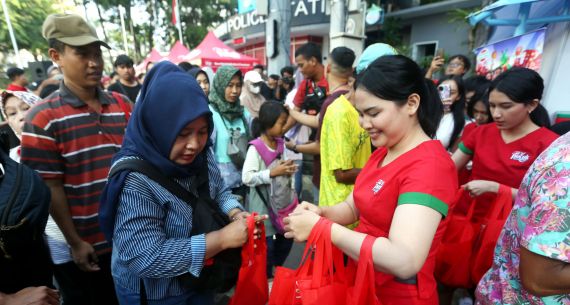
(71, 30)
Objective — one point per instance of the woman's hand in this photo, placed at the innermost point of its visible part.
(284, 168)
(234, 235)
(239, 215)
(478, 187)
(298, 225)
(307, 206)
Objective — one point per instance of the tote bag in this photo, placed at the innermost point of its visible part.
(364, 290)
(489, 232)
(252, 288)
(453, 258)
(320, 279)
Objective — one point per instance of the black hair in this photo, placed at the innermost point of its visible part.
(457, 108)
(522, 86)
(56, 44)
(14, 72)
(49, 89)
(475, 83)
(123, 60)
(186, 66)
(395, 78)
(343, 56)
(309, 50)
(113, 74)
(464, 59)
(287, 69)
(561, 128)
(479, 98)
(269, 113)
(259, 67)
(274, 76)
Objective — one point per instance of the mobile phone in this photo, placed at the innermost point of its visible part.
(286, 138)
(444, 92)
(440, 52)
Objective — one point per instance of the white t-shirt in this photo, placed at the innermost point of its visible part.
(445, 129)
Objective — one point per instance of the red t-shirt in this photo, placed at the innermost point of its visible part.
(301, 93)
(14, 87)
(424, 175)
(505, 163)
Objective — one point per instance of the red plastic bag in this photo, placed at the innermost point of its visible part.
(453, 258)
(364, 290)
(491, 228)
(319, 280)
(251, 287)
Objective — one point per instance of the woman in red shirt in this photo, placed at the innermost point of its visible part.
(404, 190)
(502, 152)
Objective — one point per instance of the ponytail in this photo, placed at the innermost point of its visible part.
(431, 110)
(540, 117)
(255, 128)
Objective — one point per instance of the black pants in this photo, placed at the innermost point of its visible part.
(86, 288)
(277, 252)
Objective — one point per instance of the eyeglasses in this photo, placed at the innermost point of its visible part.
(454, 65)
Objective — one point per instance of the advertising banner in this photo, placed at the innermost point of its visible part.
(521, 51)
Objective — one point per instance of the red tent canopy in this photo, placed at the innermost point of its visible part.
(153, 56)
(214, 53)
(178, 52)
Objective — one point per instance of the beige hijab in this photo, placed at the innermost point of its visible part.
(251, 101)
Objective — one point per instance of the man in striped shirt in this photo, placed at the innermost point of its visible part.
(70, 139)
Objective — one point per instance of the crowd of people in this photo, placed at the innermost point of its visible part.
(132, 163)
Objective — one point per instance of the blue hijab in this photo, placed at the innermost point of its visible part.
(169, 100)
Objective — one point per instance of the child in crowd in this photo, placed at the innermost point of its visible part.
(269, 178)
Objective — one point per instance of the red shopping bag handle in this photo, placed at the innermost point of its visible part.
(365, 271)
(249, 247)
(312, 244)
(503, 202)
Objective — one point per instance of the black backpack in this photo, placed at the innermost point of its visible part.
(24, 203)
(221, 274)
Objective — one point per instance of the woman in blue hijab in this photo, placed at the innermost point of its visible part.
(151, 227)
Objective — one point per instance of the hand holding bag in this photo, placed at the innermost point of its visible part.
(252, 288)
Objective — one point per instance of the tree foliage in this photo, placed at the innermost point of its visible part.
(26, 17)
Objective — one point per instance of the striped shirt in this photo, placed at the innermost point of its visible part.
(152, 234)
(63, 138)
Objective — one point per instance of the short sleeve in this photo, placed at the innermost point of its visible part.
(40, 152)
(547, 225)
(431, 183)
(300, 95)
(339, 153)
(469, 141)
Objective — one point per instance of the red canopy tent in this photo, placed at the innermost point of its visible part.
(177, 52)
(153, 56)
(214, 53)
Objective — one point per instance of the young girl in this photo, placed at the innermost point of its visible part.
(269, 177)
(403, 192)
(453, 119)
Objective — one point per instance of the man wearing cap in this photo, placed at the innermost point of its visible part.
(18, 79)
(70, 139)
(128, 83)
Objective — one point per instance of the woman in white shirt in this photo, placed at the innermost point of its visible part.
(452, 94)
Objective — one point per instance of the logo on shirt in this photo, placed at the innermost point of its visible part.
(378, 186)
(520, 156)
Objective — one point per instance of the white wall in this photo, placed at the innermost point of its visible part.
(555, 68)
